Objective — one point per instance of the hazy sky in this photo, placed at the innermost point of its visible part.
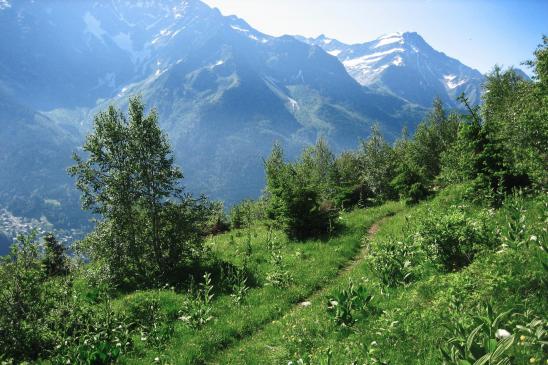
(480, 33)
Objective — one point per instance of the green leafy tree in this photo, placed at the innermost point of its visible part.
(348, 188)
(295, 196)
(55, 260)
(503, 145)
(419, 159)
(130, 180)
(377, 165)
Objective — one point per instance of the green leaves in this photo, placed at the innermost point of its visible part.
(349, 303)
(196, 310)
(130, 179)
(296, 192)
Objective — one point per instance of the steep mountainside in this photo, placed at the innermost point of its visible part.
(33, 156)
(224, 91)
(404, 65)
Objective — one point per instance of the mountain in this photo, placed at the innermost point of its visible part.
(224, 92)
(404, 65)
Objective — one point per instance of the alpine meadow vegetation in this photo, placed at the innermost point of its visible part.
(428, 250)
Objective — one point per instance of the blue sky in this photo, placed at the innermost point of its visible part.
(480, 33)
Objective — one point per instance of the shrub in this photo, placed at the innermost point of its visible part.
(278, 276)
(146, 316)
(55, 260)
(93, 335)
(398, 262)
(454, 238)
(490, 341)
(23, 332)
(246, 213)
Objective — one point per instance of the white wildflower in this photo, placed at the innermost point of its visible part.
(502, 333)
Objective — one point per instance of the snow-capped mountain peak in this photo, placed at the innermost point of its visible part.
(405, 65)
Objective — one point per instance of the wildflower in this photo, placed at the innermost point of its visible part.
(156, 359)
(143, 338)
(532, 360)
(502, 333)
(522, 338)
(533, 238)
(306, 304)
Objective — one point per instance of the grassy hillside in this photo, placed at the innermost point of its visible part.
(414, 319)
(310, 266)
(410, 323)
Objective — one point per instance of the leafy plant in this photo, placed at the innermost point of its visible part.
(349, 302)
(486, 343)
(398, 262)
(197, 308)
(146, 316)
(279, 276)
(239, 287)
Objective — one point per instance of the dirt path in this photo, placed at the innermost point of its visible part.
(319, 293)
(364, 251)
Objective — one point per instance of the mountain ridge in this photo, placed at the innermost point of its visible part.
(225, 92)
(405, 65)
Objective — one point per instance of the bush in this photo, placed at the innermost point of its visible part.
(297, 195)
(147, 318)
(398, 262)
(196, 310)
(23, 302)
(246, 213)
(55, 260)
(454, 238)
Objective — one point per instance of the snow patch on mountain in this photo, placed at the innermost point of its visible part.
(239, 29)
(389, 39)
(369, 58)
(293, 104)
(451, 83)
(335, 52)
(398, 61)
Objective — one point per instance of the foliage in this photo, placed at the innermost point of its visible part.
(130, 180)
(348, 189)
(55, 257)
(23, 332)
(246, 213)
(218, 221)
(239, 287)
(377, 165)
(453, 238)
(348, 303)
(503, 144)
(147, 318)
(419, 159)
(398, 261)
(279, 276)
(296, 194)
(196, 310)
